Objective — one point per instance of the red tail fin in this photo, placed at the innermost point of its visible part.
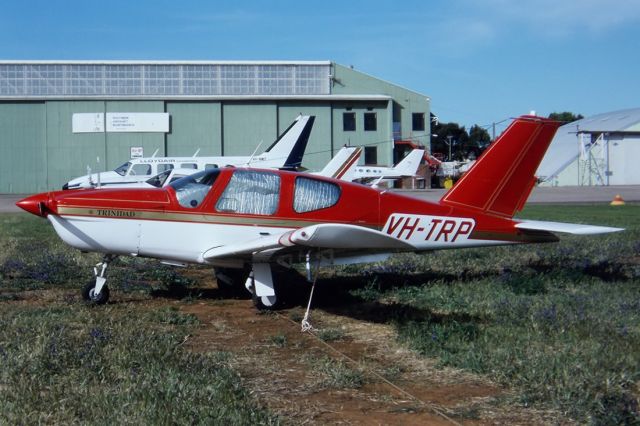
(502, 179)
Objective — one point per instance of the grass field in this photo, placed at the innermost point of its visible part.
(558, 323)
(64, 362)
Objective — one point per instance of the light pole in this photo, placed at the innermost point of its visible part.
(449, 137)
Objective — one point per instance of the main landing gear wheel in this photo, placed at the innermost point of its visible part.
(264, 303)
(89, 293)
(262, 287)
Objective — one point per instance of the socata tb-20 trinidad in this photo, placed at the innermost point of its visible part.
(239, 219)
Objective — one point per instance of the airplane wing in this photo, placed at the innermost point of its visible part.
(567, 228)
(322, 236)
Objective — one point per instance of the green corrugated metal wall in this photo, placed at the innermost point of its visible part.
(247, 124)
(22, 152)
(318, 151)
(194, 125)
(69, 154)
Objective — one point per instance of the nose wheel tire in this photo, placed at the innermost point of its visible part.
(89, 294)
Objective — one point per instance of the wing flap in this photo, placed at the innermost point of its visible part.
(325, 236)
(342, 236)
(245, 248)
(566, 228)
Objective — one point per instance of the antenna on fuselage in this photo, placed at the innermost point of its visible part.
(377, 182)
(98, 161)
(196, 153)
(89, 174)
(154, 153)
(254, 153)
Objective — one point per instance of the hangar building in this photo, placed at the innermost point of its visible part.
(58, 117)
(598, 150)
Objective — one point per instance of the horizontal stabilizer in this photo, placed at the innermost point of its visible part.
(566, 228)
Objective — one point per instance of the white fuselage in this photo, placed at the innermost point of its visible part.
(167, 240)
(185, 238)
(138, 170)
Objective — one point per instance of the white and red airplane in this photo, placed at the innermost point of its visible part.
(244, 221)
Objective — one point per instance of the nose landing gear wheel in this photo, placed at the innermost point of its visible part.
(89, 293)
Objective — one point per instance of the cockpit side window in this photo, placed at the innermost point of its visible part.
(122, 170)
(191, 190)
(140, 170)
(251, 192)
(312, 194)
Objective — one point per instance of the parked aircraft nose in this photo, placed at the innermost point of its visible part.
(39, 204)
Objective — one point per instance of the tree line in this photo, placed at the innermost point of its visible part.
(463, 144)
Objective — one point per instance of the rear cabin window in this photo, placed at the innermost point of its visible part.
(188, 166)
(251, 192)
(141, 170)
(191, 190)
(312, 194)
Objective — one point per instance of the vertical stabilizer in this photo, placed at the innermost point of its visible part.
(501, 180)
(409, 164)
(342, 164)
(289, 148)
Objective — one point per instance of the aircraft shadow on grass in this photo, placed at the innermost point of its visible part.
(336, 295)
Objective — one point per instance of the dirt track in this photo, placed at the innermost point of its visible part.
(297, 376)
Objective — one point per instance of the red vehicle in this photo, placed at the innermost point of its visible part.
(238, 219)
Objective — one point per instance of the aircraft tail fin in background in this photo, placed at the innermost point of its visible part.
(501, 180)
(341, 165)
(409, 164)
(291, 144)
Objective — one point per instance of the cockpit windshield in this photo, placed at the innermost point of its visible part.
(191, 190)
(122, 170)
(159, 179)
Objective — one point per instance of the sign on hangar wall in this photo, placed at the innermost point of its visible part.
(120, 122)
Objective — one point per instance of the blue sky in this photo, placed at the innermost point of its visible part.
(479, 61)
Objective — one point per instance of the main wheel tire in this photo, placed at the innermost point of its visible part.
(88, 293)
(265, 303)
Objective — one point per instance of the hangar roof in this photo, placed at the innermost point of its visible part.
(565, 147)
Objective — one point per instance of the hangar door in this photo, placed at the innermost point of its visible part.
(194, 126)
(23, 166)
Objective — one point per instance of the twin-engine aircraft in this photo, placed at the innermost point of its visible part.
(244, 221)
(286, 152)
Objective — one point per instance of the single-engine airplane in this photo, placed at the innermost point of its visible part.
(244, 221)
